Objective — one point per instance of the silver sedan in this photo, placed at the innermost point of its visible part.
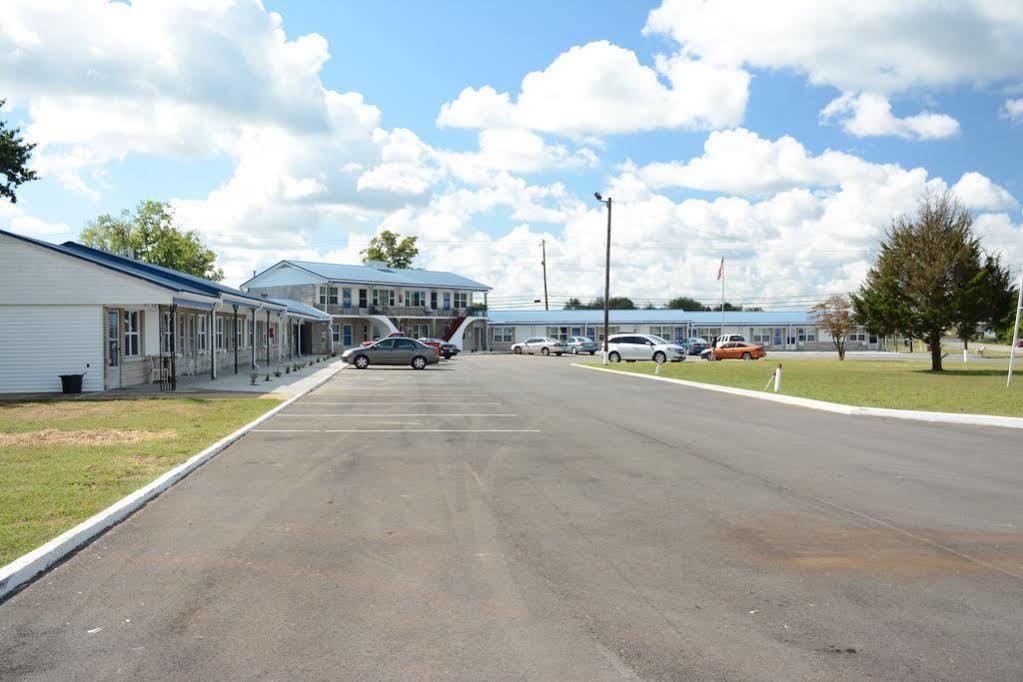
(544, 345)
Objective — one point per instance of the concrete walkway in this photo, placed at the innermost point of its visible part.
(284, 386)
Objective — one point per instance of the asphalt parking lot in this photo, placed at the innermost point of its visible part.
(509, 517)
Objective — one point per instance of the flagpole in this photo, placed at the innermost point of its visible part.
(722, 332)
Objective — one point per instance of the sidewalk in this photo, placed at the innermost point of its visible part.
(284, 386)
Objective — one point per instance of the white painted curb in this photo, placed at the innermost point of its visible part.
(28, 566)
(838, 408)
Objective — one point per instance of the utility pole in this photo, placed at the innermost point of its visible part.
(607, 271)
(543, 262)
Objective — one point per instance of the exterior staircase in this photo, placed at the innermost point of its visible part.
(452, 327)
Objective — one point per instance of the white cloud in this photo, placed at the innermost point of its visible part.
(14, 218)
(868, 51)
(976, 191)
(869, 114)
(1013, 109)
(600, 88)
(514, 151)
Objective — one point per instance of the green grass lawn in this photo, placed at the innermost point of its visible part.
(901, 385)
(61, 461)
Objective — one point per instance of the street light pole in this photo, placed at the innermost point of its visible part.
(543, 262)
(607, 270)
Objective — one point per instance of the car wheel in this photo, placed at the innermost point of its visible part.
(558, 354)
(419, 362)
(517, 350)
(361, 362)
(614, 357)
(593, 352)
(747, 357)
(660, 357)
(545, 351)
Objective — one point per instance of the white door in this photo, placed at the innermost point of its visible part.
(113, 349)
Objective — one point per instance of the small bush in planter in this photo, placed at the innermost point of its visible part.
(277, 373)
(287, 369)
(252, 377)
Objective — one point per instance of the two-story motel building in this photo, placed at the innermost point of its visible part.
(372, 300)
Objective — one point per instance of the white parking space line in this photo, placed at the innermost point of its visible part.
(418, 402)
(395, 431)
(398, 414)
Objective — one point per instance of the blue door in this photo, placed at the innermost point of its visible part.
(347, 336)
(577, 331)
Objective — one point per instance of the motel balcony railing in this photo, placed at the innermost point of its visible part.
(400, 311)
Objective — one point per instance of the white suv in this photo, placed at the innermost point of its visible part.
(728, 338)
(632, 347)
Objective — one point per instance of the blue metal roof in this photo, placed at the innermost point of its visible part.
(708, 319)
(382, 275)
(301, 308)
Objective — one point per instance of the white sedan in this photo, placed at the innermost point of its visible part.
(544, 345)
(632, 347)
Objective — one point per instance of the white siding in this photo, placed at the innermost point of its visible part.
(37, 343)
(35, 274)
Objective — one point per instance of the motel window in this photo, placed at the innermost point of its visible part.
(202, 332)
(504, 334)
(239, 332)
(461, 300)
(707, 332)
(664, 331)
(182, 332)
(559, 333)
(761, 335)
(132, 337)
(858, 335)
(346, 297)
(363, 298)
(335, 333)
(806, 334)
(611, 331)
(327, 295)
(447, 300)
(218, 328)
(433, 300)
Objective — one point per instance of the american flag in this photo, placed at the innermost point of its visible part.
(721, 269)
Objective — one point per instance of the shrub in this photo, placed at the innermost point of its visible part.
(277, 373)
(252, 377)
(287, 369)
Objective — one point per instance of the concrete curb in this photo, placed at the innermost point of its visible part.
(837, 408)
(27, 567)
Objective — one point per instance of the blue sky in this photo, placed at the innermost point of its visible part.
(302, 134)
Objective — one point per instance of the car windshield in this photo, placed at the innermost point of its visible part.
(657, 339)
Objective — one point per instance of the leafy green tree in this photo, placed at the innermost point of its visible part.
(931, 276)
(390, 248)
(574, 304)
(685, 303)
(151, 235)
(14, 157)
(835, 315)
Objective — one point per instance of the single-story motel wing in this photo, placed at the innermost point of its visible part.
(71, 309)
(789, 330)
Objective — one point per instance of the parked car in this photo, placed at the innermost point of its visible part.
(632, 347)
(735, 350)
(392, 351)
(696, 345)
(375, 339)
(544, 345)
(582, 344)
(729, 338)
(445, 349)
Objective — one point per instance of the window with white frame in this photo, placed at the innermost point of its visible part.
(611, 331)
(707, 333)
(806, 334)
(202, 332)
(858, 335)
(663, 331)
(447, 300)
(346, 297)
(182, 332)
(218, 332)
(335, 332)
(461, 299)
(391, 297)
(761, 335)
(504, 334)
(132, 335)
(239, 332)
(559, 333)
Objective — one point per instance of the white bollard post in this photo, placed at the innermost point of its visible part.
(964, 356)
(777, 378)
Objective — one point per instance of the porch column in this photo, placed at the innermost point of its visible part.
(173, 347)
(268, 339)
(212, 339)
(252, 345)
(234, 333)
